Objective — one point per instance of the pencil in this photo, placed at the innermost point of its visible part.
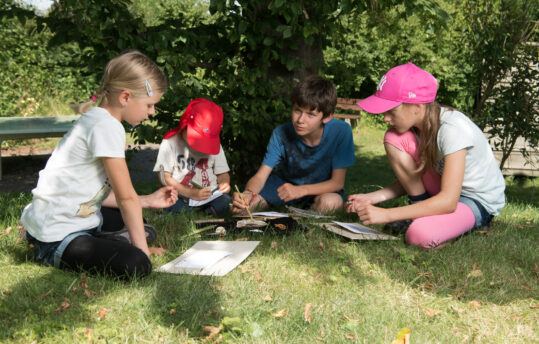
(198, 186)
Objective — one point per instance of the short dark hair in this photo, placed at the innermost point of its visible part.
(315, 93)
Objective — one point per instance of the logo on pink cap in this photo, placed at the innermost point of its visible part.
(402, 84)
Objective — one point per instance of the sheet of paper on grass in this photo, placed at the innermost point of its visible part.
(270, 214)
(210, 258)
(356, 228)
(193, 203)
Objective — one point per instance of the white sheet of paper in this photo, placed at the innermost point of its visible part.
(239, 251)
(270, 214)
(193, 203)
(354, 227)
(202, 259)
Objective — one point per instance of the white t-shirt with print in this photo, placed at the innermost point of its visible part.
(73, 184)
(483, 180)
(186, 164)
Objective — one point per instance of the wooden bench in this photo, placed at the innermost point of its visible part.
(33, 127)
(349, 105)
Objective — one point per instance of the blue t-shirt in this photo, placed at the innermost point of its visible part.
(300, 164)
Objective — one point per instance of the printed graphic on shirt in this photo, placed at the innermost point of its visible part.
(93, 205)
(189, 164)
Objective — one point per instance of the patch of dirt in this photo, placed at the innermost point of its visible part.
(21, 166)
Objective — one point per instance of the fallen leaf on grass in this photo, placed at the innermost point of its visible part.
(232, 293)
(475, 273)
(431, 312)
(307, 314)
(475, 304)
(88, 292)
(102, 313)
(527, 286)
(350, 336)
(273, 244)
(241, 239)
(279, 314)
(6, 232)
(212, 331)
(243, 269)
(321, 245)
(535, 306)
(157, 251)
(46, 294)
(268, 298)
(403, 337)
(89, 334)
(257, 276)
(64, 305)
(317, 276)
(458, 310)
(350, 319)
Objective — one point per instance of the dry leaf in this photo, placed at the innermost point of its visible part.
(63, 306)
(268, 298)
(431, 312)
(212, 331)
(535, 306)
(232, 293)
(350, 319)
(516, 317)
(88, 292)
(475, 273)
(475, 304)
(172, 311)
(535, 270)
(102, 313)
(157, 251)
(403, 337)
(307, 314)
(321, 245)
(46, 294)
(243, 269)
(89, 334)
(279, 314)
(350, 336)
(458, 310)
(242, 239)
(7, 230)
(257, 276)
(274, 244)
(527, 286)
(317, 276)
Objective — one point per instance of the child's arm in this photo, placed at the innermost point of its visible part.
(223, 180)
(127, 200)
(254, 185)
(392, 191)
(288, 192)
(185, 191)
(442, 203)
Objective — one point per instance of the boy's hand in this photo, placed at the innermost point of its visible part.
(200, 194)
(288, 192)
(238, 204)
(224, 187)
(161, 198)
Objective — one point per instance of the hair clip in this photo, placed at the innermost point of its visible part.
(93, 98)
(148, 88)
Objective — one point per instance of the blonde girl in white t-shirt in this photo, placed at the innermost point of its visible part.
(85, 213)
(441, 159)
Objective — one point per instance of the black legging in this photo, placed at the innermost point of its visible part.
(99, 255)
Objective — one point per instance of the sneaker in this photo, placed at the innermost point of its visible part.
(123, 234)
(397, 227)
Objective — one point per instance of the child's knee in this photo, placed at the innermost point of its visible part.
(419, 235)
(328, 202)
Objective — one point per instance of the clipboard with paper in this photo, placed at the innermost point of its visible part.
(356, 231)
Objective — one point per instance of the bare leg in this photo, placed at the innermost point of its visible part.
(404, 167)
(327, 202)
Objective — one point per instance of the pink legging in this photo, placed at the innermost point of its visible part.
(431, 231)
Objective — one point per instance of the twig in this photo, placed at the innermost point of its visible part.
(245, 203)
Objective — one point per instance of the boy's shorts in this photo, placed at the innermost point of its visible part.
(269, 194)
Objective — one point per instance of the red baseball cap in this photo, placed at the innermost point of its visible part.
(204, 120)
(402, 84)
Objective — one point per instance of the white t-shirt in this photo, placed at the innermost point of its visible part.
(483, 180)
(73, 184)
(186, 164)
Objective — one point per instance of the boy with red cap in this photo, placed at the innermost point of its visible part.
(193, 161)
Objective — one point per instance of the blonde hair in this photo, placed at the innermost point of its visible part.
(130, 71)
(428, 143)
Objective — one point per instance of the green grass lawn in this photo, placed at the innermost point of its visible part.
(480, 289)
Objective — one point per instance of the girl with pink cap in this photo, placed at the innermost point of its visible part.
(441, 159)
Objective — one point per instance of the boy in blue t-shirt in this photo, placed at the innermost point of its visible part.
(306, 159)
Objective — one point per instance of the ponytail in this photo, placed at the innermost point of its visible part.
(428, 138)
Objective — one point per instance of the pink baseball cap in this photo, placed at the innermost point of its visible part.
(402, 84)
(204, 120)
